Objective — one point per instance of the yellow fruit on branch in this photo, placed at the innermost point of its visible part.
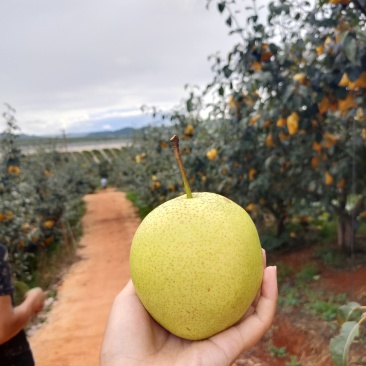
(233, 103)
(48, 224)
(256, 66)
(293, 123)
(345, 104)
(344, 80)
(320, 50)
(155, 185)
(189, 130)
(301, 79)
(341, 184)
(6, 216)
(328, 179)
(13, 170)
(250, 207)
(269, 141)
(163, 144)
(328, 42)
(325, 105)
(48, 240)
(140, 157)
(266, 53)
(317, 146)
(26, 227)
(47, 173)
(360, 82)
(281, 122)
(343, 2)
(186, 151)
(211, 154)
(362, 214)
(253, 120)
(251, 173)
(314, 162)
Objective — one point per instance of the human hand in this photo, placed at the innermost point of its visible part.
(35, 297)
(132, 337)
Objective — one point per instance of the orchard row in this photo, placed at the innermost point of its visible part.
(40, 200)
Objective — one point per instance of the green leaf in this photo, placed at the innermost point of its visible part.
(353, 72)
(339, 345)
(227, 71)
(229, 21)
(189, 105)
(253, 19)
(350, 48)
(221, 6)
(345, 311)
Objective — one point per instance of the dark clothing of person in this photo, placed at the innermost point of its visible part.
(16, 351)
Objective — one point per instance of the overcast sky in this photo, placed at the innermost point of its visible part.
(87, 65)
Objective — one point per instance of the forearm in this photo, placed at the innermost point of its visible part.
(14, 320)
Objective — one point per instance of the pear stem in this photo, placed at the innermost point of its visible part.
(175, 144)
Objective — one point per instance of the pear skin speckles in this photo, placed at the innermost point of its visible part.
(196, 264)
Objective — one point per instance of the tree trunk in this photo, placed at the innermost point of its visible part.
(280, 225)
(346, 233)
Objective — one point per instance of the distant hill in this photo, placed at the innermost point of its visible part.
(126, 132)
(20, 136)
(123, 132)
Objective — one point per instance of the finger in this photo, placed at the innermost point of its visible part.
(249, 332)
(264, 265)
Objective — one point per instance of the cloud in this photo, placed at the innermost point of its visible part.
(65, 63)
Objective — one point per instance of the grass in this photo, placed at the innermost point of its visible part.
(279, 352)
(331, 257)
(293, 361)
(284, 271)
(143, 210)
(327, 309)
(299, 290)
(50, 263)
(308, 272)
(289, 296)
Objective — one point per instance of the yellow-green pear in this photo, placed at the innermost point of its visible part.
(196, 264)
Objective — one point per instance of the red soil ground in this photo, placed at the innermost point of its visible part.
(76, 323)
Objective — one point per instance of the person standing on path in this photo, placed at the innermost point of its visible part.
(104, 182)
(14, 346)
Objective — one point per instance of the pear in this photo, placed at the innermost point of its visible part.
(196, 263)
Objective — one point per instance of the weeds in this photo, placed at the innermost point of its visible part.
(279, 352)
(308, 272)
(293, 361)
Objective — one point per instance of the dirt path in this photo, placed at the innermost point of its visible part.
(75, 325)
